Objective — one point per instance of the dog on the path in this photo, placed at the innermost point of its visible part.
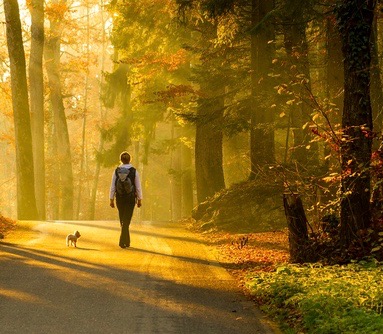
(72, 238)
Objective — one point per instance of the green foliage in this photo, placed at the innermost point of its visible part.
(318, 299)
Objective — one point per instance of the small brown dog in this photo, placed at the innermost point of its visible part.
(72, 238)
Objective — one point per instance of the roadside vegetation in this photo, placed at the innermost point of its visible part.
(322, 299)
(301, 298)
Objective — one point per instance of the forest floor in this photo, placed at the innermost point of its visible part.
(311, 298)
(247, 253)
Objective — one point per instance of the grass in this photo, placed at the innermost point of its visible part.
(318, 299)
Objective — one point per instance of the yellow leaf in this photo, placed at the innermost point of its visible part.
(290, 102)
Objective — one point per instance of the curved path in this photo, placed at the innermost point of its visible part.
(167, 282)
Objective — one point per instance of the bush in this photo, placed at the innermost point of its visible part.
(244, 207)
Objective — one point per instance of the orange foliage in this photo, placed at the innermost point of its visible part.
(6, 225)
(55, 12)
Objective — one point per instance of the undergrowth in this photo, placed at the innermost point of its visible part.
(323, 299)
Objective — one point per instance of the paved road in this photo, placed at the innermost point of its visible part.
(167, 282)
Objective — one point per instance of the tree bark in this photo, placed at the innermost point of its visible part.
(297, 225)
(36, 90)
(355, 31)
(26, 201)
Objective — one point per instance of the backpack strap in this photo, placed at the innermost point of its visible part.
(131, 175)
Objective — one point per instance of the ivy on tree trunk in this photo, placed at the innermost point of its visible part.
(355, 19)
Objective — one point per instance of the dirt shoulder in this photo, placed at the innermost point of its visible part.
(244, 254)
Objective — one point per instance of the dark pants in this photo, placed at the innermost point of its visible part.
(125, 206)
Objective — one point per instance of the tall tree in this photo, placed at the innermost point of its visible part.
(84, 118)
(186, 179)
(26, 201)
(355, 20)
(64, 177)
(102, 119)
(36, 90)
(262, 152)
(294, 24)
(208, 143)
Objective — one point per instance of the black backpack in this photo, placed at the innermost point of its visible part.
(125, 181)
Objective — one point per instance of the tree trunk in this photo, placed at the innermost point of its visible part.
(187, 182)
(355, 31)
(262, 51)
(208, 147)
(297, 225)
(376, 82)
(64, 157)
(103, 115)
(334, 84)
(295, 43)
(36, 90)
(84, 119)
(335, 75)
(176, 173)
(26, 201)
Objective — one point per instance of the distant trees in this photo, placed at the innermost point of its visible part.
(54, 128)
(181, 84)
(144, 88)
